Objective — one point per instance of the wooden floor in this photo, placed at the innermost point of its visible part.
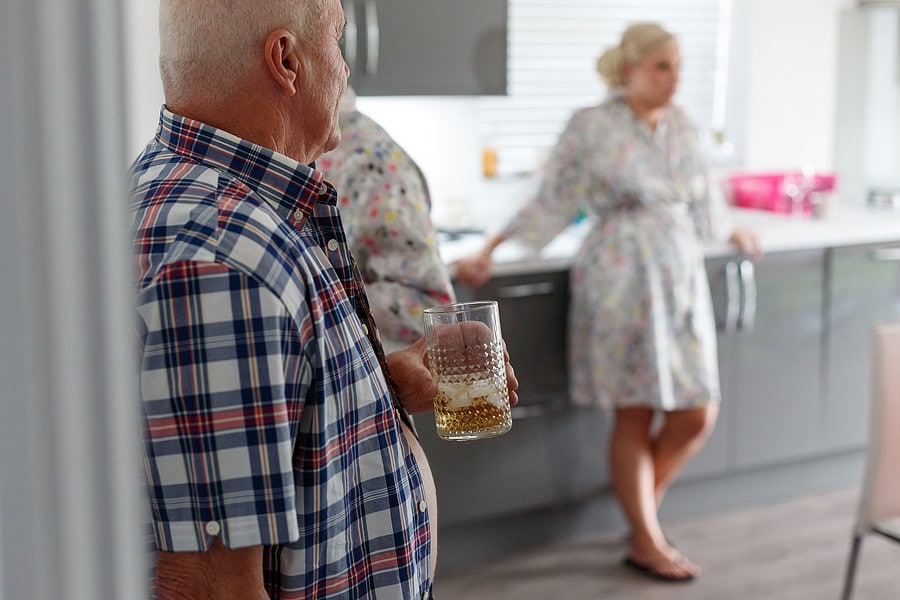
(791, 551)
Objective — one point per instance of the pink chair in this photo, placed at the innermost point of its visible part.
(879, 504)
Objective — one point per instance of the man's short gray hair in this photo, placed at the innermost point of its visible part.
(208, 46)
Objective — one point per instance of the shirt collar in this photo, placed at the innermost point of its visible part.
(282, 182)
(617, 98)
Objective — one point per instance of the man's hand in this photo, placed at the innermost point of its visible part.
(409, 372)
(408, 369)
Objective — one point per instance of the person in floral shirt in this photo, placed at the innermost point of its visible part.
(386, 209)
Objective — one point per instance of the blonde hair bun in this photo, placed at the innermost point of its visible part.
(638, 41)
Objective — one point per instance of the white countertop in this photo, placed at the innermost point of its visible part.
(850, 226)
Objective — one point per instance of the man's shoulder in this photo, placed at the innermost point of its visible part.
(159, 175)
(187, 211)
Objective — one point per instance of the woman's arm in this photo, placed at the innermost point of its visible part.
(475, 270)
(562, 192)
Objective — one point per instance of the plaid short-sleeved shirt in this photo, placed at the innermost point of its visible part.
(268, 417)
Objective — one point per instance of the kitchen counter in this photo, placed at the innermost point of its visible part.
(793, 348)
(851, 226)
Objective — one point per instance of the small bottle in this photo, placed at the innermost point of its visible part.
(489, 161)
(489, 156)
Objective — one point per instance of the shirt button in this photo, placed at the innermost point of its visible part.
(365, 329)
(213, 528)
(333, 245)
(323, 189)
(298, 215)
(423, 506)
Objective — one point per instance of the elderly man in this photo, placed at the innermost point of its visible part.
(278, 457)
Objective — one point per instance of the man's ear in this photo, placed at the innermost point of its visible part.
(282, 62)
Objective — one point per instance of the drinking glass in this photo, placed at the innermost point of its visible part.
(465, 357)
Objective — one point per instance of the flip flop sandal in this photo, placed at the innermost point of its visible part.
(659, 570)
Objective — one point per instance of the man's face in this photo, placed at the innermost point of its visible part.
(326, 74)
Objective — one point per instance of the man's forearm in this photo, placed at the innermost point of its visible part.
(217, 574)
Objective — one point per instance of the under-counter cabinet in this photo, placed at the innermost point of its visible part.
(554, 453)
(863, 289)
(793, 344)
(426, 47)
(770, 321)
(533, 320)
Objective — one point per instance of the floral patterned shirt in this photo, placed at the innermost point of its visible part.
(385, 207)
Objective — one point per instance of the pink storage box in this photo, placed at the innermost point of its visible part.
(771, 191)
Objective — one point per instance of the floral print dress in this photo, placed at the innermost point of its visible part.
(385, 208)
(641, 326)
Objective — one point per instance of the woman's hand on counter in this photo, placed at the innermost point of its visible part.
(474, 270)
(747, 241)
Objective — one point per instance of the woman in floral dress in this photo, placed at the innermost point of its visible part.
(642, 334)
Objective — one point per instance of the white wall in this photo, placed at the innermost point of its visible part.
(782, 98)
(791, 83)
(142, 76)
(867, 137)
(783, 85)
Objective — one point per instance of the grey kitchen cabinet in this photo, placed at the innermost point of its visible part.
(863, 289)
(717, 454)
(549, 461)
(554, 453)
(770, 315)
(533, 320)
(426, 47)
(793, 348)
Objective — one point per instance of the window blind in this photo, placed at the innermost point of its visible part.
(552, 53)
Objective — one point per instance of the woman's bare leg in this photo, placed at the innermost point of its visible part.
(631, 473)
(633, 480)
(680, 437)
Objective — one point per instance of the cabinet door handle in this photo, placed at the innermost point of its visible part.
(351, 39)
(732, 297)
(748, 287)
(887, 254)
(524, 290)
(373, 38)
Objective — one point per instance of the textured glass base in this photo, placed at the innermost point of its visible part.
(480, 434)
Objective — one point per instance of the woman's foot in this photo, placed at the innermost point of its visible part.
(665, 564)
